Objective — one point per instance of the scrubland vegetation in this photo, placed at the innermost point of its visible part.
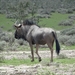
(59, 15)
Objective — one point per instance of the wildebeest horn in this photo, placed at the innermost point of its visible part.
(17, 25)
(15, 22)
(22, 22)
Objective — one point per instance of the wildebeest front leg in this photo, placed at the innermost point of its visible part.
(37, 46)
(32, 52)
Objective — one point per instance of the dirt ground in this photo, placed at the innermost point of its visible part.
(56, 68)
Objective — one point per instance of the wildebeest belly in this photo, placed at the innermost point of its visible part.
(38, 39)
(41, 42)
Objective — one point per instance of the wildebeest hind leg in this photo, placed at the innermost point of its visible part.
(37, 46)
(51, 48)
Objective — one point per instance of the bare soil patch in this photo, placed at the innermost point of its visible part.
(56, 68)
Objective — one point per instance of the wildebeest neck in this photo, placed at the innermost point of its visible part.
(25, 32)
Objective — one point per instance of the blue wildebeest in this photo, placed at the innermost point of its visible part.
(37, 35)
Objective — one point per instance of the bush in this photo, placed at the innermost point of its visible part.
(13, 48)
(16, 44)
(43, 16)
(20, 42)
(72, 16)
(2, 34)
(5, 38)
(71, 41)
(10, 15)
(67, 36)
(67, 40)
(11, 38)
(52, 10)
(66, 22)
(73, 8)
(44, 71)
(2, 11)
(69, 31)
(70, 11)
(2, 59)
(61, 10)
(2, 44)
(62, 56)
(63, 38)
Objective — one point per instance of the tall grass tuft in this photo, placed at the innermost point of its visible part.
(2, 59)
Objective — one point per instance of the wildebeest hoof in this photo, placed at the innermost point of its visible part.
(40, 59)
(32, 60)
(51, 61)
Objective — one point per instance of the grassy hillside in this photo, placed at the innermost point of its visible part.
(55, 19)
(5, 23)
(52, 22)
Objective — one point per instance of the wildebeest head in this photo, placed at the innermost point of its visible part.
(19, 31)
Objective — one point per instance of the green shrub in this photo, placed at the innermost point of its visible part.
(20, 41)
(2, 11)
(71, 32)
(2, 59)
(67, 36)
(68, 31)
(68, 22)
(63, 38)
(5, 38)
(72, 16)
(62, 56)
(1, 48)
(71, 41)
(10, 16)
(2, 44)
(43, 16)
(73, 8)
(11, 39)
(1, 33)
(62, 10)
(52, 10)
(70, 11)
(44, 71)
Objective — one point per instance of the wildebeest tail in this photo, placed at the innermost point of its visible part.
(57, 43)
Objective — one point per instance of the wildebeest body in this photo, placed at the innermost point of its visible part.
(37, 35)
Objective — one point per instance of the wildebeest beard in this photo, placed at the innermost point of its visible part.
(18, 36)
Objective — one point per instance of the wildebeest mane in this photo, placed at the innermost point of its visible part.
(29, 22)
